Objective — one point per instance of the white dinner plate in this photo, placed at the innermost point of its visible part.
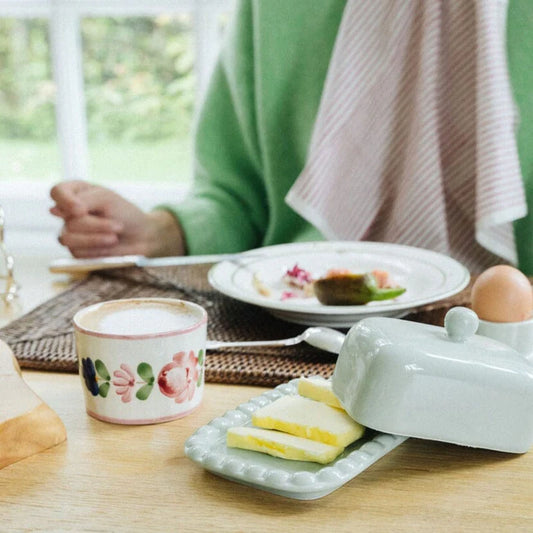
(299, 480)
(427, 276)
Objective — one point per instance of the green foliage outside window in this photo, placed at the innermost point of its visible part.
(27, 92)
(138, 78)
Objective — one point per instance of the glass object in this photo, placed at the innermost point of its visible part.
(8, 286)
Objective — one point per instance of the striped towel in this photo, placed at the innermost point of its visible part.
(414, 140)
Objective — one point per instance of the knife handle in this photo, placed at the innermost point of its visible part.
(70, 265)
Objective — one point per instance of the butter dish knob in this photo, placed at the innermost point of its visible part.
(460, 323)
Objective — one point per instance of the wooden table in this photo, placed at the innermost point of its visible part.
(116, 478)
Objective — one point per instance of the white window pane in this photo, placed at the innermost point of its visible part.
(36, 50)
(140, 94)
(28, 143)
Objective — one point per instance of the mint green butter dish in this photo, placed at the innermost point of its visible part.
(439, 383)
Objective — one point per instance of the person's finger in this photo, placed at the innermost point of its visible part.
(65, 215)
(87, 241)
(93, 224)
(66, 196)
(104, 251)
(104, 202)
(88, 253)
(56, 211)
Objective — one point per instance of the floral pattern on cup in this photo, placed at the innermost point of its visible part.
(178, 379)
(89, 376)
(124, 382)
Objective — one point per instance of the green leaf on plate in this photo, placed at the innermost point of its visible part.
(144, 392)
(201, 357)
(101, 369)
(104, 389)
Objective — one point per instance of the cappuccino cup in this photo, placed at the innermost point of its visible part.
(141, 360)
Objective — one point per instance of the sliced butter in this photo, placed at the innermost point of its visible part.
(310, 419)
(281, 445)
(318, 389)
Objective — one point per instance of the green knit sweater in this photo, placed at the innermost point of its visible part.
(520, 54)
(255, 124)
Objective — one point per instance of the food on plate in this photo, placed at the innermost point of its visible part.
(298, 277)
(310, 419)
(319, 389)
(502, 293)
(346, 288)
(299, 281)
(339, 286)
(260, 286)
(27, 425)
(282, 445)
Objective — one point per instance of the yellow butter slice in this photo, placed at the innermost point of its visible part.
(318, 389)
(281, 445)
(309, 419)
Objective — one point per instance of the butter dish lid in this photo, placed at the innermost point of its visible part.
(456, 340)
(441, 383)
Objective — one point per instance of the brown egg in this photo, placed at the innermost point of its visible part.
(502, 294)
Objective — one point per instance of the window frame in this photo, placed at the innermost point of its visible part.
(64, 16)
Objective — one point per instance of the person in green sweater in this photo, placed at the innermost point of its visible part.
(252, 139)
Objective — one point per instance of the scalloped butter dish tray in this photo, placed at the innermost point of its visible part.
(300, 480)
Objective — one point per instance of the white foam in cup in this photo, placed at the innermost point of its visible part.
(141, 360)
(139, 317)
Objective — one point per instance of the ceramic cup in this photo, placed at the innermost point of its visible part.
(517, 335)
(141, 360)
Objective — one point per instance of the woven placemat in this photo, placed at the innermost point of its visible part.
(43, 339)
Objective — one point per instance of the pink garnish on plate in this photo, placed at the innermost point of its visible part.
(298, 277)
(286, 295)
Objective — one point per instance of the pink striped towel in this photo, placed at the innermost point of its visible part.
(414, 139)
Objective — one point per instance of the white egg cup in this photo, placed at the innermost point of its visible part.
(517, 335)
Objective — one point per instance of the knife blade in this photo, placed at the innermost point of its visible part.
(71, 265)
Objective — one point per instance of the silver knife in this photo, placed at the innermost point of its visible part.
(70, 265)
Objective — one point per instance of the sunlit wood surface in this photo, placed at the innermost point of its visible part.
(117, 478)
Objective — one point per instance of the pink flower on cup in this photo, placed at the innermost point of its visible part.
(124, 381)
(178, 379)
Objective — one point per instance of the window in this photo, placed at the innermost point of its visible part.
(28, 144)
(102, 90)
(139, 92)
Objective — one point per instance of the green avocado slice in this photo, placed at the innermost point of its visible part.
(352, 289)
